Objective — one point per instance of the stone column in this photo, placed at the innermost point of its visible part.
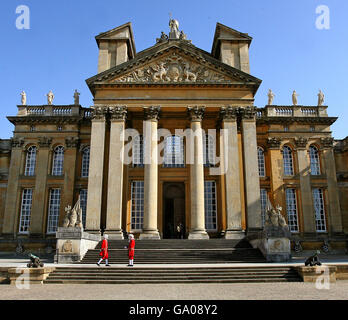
(335, 217)
(40, 192)
(305, 187)
(197, 229)
(232, 176)
(96, 165)
(150, 228)
(115, 179)
(13, 193)
(251, 173)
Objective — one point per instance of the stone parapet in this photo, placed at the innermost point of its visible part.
(312, 274)
(29, 275)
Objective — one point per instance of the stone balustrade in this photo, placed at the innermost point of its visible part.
(291, 111)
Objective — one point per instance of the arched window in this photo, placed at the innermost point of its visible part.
(209, 150)
(85, 162)
(314, 160)
(261, 161)
(58, 160)
(287, 161)
(30, 161)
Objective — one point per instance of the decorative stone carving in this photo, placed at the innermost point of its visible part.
(182, 36)
(294, 98)
(67, 246)
(275, 218)
(163, 38)
(73, 218)
(76, 97)
(196, 113)
(173, 69)
(247, 112)
(174, 29)
(321, 98)
(72, 142)
(229, 113)
(99, 112)
(297, 247)
(45, 142)
(24, 98)
(301, 142)
(270, 97)
(50, 97)
(19, 248)
(152, 113)
(17, 142)
(118, 113)
(326, 246)
(327, 142)
(273, 143)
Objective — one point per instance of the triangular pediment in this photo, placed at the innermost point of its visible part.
(173, 62)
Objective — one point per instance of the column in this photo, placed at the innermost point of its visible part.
(305, 187)
(232, 176)
(197, 228)
(96, 165)
(251, 173)
(335, 217)
(115, 179)
(13, 193)
(150, 228)
(40, 192)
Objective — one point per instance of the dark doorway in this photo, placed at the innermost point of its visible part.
(174, 210)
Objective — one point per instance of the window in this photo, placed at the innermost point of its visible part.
(24, 221)
(314, 160)
(53, 210)
(58, 159)
(263, 198)
(138, 151)
(291, 209)
(210, 204)
(59, 128)
(137, 201)
(30, 161)
(174, 152)
(32, 128)
(261, 161)
(83, 204)
(85, 162)
(209, 150)
(287, 161)
(319, 210)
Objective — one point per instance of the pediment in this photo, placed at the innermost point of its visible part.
(175, 64)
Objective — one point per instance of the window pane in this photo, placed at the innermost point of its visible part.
(314, 160)
(138, 151)
(53, 210)
(58, 159)
(287, 161)
(24, 221)
(319, 210)
(137, 201)
(210, 205)
(85, 162)
(263, 198)
(209, 148)
(30, 161)
(261, 161)
(174, 152)
(291, 209)
(83, 204)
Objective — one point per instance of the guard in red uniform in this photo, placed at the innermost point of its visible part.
(131, 247)
(104, 253)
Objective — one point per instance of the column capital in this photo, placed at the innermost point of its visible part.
(274, 143)
(248, 113)
(45, 142)
(152, 113)
(228, 113)
(327, 142)
(17, 142)
(301, 143)
(99, 113)
(118, 113)
(196, 113)
(72, 142)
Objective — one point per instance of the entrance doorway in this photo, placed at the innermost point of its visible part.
(173, 210)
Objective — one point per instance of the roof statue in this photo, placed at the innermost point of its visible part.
(24, 98)
(73, 218)
(76, 97)
(320, 98)
(294, 98)
(50, 97)
(270, 97)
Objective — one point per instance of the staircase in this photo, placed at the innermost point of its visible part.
(177, 251)
(165, 275)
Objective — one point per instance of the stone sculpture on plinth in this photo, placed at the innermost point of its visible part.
(270, 97)
(24, 98)
(50, 97)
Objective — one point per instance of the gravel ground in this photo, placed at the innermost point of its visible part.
(248, 291)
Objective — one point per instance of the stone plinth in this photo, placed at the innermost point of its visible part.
(29, 275)
(312, 274)
(73, 243)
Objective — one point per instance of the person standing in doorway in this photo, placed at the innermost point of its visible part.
(131, 247)
(104, 252)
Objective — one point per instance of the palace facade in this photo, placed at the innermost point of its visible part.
(219, 160)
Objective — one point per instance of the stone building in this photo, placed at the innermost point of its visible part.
(215, 183)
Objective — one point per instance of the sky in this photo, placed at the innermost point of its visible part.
(288, 52)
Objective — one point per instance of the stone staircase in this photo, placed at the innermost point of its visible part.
(177, 251)
(165, 275)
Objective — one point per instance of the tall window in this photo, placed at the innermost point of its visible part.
(85, 162)
(209, 150)
(314, 160)
(83, 204)
(58, 159)
(30, 161)
(53, 210)
(263, 198)
(261, 161)
(174, 152)
(24, 221)
(291, 209)
(287, 161)
(319, 210)
(210, 204)
(138, 151)
(137, 200)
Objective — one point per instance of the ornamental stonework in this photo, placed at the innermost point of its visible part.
(45, 142)
(301, 142)
(118, 113)
(229, 113)
(17, 142)
(99, 112)
(274, 143)
(196, 113)
(327, 142)
(247, 112)
(72, 142)
(152, 113)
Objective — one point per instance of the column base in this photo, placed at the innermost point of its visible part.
(97, 232)
(114, 234)
(234, 234)
(196, 235)
(150, 235)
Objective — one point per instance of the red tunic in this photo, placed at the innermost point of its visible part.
(104, 250)
(131, 247)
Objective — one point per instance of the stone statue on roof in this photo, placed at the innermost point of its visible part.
(174, 29)
(50, 97)
(24, 98)
(270, 97)
(294, 98)
(76, 97)
(320, 98)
